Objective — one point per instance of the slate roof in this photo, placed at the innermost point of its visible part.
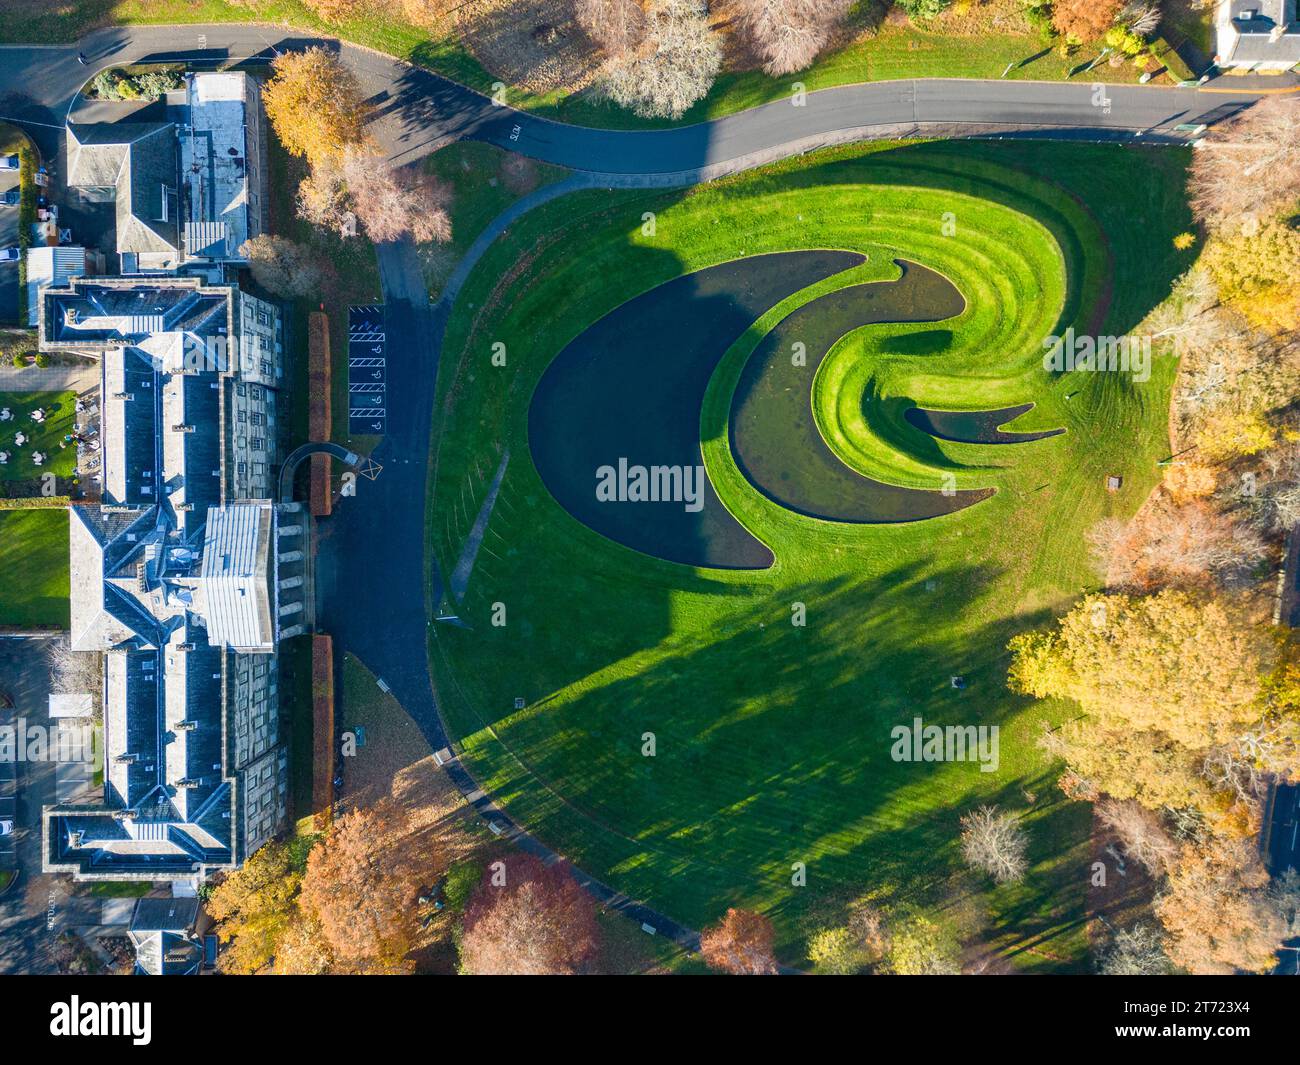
(139, 160)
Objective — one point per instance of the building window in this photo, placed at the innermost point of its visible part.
(259, 444)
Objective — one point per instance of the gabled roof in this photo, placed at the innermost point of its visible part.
(137, 159)
(99, 545)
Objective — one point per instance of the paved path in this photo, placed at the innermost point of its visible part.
(80, 379)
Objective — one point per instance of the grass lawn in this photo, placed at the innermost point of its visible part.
(34, 568)
(6, 876)
(483, 180)
(120, 889)
(397, 763)
(968, 50)
(45, 437)
(773, 741)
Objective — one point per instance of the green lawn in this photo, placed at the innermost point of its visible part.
(34, 567)
(45, 437)
(893, 52)
(120, 889)
(773, 741)
(482, 181)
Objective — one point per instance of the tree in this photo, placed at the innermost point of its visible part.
(1248, 169)
(1218, 910)
(995, 843)
(1257, 271)
(1168, 542)
(617, 26)
(1141, 833)
(1136, 951)
(834, 952)
(527, 918)
(788, 34)
(922, 947)
(1084, 20)
(1188, 666)
(254, 907)
(359, 186)
(359, 888)
(672, 68)
(314, 104)
(741, 944)
(282, 266)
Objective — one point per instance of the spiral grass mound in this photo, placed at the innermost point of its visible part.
(692, 734)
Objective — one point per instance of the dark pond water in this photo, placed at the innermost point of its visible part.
(627, 394)
(974, 426)
(774, 435)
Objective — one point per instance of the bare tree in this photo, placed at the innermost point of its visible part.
(1136, 951)
(673, 68)
(789, 34)
(359, 186)
(282, 266)
(1140, 16)
(616, 25)
(1190, 542)
(75, 672)
(1141, 833)
(995, 843)
(1249, 168)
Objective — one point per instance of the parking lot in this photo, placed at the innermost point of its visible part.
(8, 239)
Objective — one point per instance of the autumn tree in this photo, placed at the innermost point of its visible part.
(995, 843)
(617, 26)
(1136, 951)
(920, 946)
(1184, 665)
(1218, 911)
(1084, 20)
(834, 952)
(528, 919)
(1257, 271)
(359, 187)
(282, 266)
(1167, 542)
(360, 887)
(673, 67)
(254, 907)
(742, 943)
(314, 104)
(789, 34)
(1248, 169)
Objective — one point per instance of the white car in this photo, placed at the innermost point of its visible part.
(9, 255)
(6, 828)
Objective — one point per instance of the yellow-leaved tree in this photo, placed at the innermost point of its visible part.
(315, 104)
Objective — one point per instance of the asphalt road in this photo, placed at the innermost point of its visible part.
(418, 111)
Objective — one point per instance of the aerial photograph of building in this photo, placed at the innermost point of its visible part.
(679, 487)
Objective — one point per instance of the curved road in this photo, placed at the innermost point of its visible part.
(418, 111)
(372, 586)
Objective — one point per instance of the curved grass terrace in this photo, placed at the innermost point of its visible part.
(772, 739)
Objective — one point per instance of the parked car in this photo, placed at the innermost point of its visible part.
(10, 197)
(8, 162)
(6, 828)
(9, 255)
